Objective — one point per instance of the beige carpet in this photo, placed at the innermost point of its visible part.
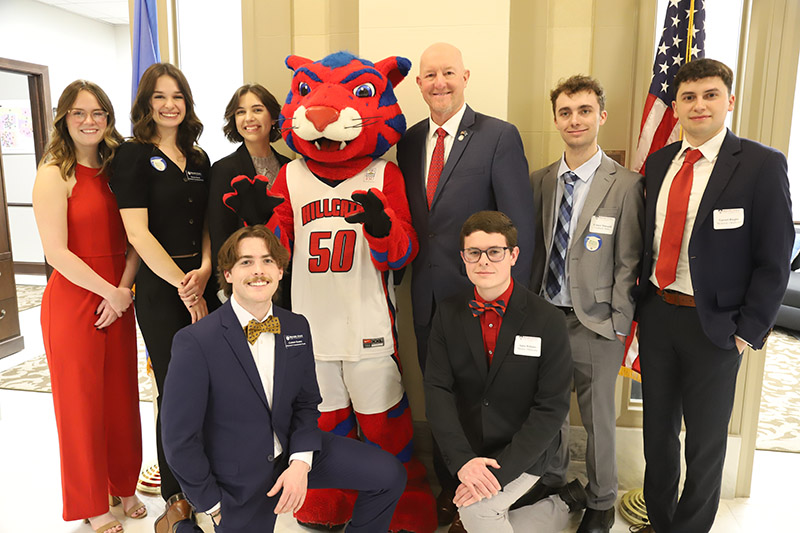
(779, 419)
(33, 374)
(29, 296)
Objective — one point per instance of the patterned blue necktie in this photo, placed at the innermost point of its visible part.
(558, 254)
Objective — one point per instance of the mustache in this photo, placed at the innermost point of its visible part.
(255, 279)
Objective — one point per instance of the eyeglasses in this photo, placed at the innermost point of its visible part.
(494, 253)
(98, 115)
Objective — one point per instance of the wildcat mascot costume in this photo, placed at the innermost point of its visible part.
(346, 219)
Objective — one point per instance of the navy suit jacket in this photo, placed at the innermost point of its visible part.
(739, 275)
(512, 410)
(486, 169)
(217, 427)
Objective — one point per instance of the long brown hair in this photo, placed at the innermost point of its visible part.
(144, 128)
(61, 148)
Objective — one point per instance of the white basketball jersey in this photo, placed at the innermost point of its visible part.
(334, 283)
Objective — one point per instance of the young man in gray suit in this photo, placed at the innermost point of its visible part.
(588, 247)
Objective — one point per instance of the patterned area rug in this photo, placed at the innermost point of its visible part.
(779, 418)
(29, 296)
(33, 374)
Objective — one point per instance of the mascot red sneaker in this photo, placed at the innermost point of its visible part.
(346, 218)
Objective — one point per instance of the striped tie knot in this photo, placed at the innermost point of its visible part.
(478, 308)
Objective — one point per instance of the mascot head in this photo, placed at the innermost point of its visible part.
(341, 111)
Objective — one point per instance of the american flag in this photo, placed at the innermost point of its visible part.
(682, 40)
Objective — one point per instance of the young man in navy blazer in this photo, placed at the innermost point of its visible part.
(497, 387)
(240, 409)
(717, 245)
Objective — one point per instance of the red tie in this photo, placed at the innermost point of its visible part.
(437, 164)
(675, 220)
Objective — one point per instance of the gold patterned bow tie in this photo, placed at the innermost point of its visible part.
(254, 328)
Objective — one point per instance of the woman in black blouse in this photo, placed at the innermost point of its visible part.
(251, 118)
(161, 183)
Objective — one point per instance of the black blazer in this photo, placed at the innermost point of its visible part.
(511, 411)
(739, 275)
(486, 169)
(222, 222)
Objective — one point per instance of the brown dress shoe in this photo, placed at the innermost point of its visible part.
(457, 526)
(446, 510)
(178, 508)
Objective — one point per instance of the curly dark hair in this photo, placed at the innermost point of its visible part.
(269, 101)
(578, 84)
(61, 148)
(145, 129)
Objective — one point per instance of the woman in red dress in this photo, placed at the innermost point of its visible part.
(87, 319)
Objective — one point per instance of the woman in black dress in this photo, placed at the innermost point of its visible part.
(161, 183)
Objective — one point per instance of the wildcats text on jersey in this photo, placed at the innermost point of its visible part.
(329, 207)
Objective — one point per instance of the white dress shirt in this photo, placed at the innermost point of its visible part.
(580, 190)
(702, 172)
(451, 127)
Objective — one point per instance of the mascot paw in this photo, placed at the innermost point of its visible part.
(250, 200)
(376, 222)
(416, 510)
(326, 509)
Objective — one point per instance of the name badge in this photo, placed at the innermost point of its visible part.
(194, 175)
(528, 346)
(292, 341)
(158, 163)
(602, 225)
(729, 218)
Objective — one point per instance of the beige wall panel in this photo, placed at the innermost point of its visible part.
(432, 14)
(343, 16)
(571, 13)
(270, 18)
(617, 13)
(343, 41)
(311, 46)
(613, 63)
(311, 17)
(265, 46)
(571, 52)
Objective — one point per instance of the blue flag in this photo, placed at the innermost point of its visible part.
(145, 40)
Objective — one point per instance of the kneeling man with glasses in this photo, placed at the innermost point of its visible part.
(497, 387)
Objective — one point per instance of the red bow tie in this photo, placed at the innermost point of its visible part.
(478, 308)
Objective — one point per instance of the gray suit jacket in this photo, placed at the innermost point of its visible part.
(600, 281)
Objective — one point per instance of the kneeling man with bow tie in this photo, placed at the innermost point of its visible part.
(239, 412)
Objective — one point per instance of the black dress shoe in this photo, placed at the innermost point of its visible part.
(596, 521)
(539, 491)
(445, 508)
(574, 495)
